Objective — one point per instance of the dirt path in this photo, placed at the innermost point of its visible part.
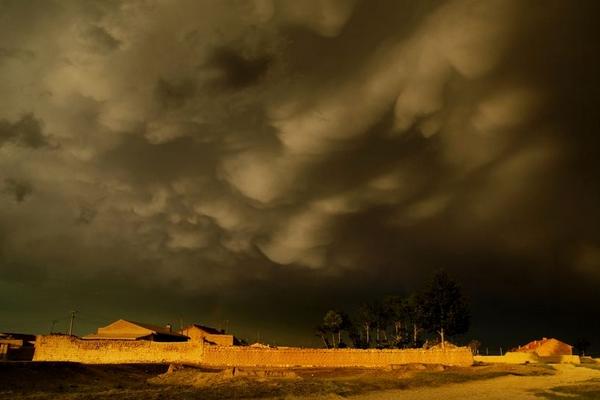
(507, 387)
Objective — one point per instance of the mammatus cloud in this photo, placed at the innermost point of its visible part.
(25, 132)
(213, 139)
(19, 190)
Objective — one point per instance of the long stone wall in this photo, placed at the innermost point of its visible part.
(65, 348)
(513, 357)
(298, 357)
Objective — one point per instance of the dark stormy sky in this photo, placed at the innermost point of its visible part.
(262, 161)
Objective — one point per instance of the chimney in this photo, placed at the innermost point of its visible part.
(169, 327)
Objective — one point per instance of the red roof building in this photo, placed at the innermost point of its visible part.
(546, 347)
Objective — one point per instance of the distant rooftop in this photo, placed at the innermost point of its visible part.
(123, 329)
(206, 329)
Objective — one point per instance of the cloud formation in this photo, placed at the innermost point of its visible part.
(26, 132)
(213, 144)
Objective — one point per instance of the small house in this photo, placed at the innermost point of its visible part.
(130, 330)
(203, 333)
(546, 348)
(16, 346)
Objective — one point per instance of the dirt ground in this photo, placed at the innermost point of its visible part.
(569, 382)
(72, 381)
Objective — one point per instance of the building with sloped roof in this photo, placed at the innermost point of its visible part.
(207, 334)
(131, 330)
(16, 346)
(546, 348)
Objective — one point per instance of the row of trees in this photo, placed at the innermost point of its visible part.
(396, 321)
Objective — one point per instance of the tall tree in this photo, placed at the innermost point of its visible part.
(396, 308)
(366, 318)
(444, 310)
(321, 331)
(347, 326)
(381, 318)
(333, 322)
(356, 335)
(414, 317)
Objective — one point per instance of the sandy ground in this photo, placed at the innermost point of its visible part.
(71, 381)
(503, 388)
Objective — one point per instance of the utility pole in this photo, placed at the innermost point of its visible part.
(71, 322)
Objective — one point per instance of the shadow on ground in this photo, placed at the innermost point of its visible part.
(62, 381)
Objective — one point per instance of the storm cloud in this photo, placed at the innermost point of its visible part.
(26, 131)
(215, 149)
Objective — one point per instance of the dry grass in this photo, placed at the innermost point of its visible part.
(135, 382)
(66, 380)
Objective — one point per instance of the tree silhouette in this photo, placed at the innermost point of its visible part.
(582, 345)
(474, 345)
(444, 310)
(368, 320)
(321, 331)
(414, 317)
(333, 323)
(396, 309)
(404, 316)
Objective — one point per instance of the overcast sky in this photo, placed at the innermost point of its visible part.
(263, 161)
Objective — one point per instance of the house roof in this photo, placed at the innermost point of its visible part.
(18, 336)
(146, 330)
(154, 328)
(114, 337)
(535, 344)
(206, 329)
